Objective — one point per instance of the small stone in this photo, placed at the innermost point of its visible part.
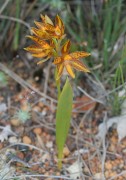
(26, 140)
(35, 167)
(108, 165)
(37, 131)
(86, 170)
(114, 139)
(1, 145)
(98, 176)
(45, 157)
(49, 144)
(113, 174)
(25, 107)
(124, 150)
(20, 155)
(13, 140)
(37, 108)
(41, 104)
(121, 165)
(44, 112)
(107, 174)
(66, 151)
(15, 122)
(112, 148)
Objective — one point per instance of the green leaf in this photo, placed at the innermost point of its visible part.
(63, 117)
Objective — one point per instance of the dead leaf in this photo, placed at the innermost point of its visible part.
(75, 170)
(121, 128)
(3, 107)
(120, 122)
(84, 103)
(6, 132)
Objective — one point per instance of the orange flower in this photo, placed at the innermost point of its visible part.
(70, 61)
(41, 49)
(48, 30)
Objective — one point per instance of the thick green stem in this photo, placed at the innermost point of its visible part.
(58, 50)
(57, 84)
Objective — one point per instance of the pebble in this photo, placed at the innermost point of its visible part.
(37, 131)
(26, 140)
(45, 157)
(20, 155)
(25, 107)
(98, 176)
(37, 108)
(1, 145)
(34, 167)
(66, 151)
(15, 122)
(49, 144)
(40, 104)
(13, 139)
(107, 173)
(108, 165)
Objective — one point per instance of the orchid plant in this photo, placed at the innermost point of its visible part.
(48, 38)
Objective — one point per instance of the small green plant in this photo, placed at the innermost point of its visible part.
(3, 79)
(22, 115)
(119, 80)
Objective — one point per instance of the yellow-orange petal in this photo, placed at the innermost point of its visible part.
(52, 44)
(43, 60)
(66, 47)
(57, 60)
(46, 19)
(49, 28)
(79, 54)
(67, 57)
(78, 65)
(34, 49)
(42, 17)
(40, 34)
(60, 68)
(40, 55)
(40, 42)
(69, 69)
(58, 31)
(39, 25)
(59, 22)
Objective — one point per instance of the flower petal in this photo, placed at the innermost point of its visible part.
(79, 54)
(60, 68)
(58, 31)
(40, 55)
(57, 60)
(45, 26)
(40, 33)
(46, 19)
(49, 28)
(43, 60)
(34, 49)
(66, 47)
(69, 69)
(40, 42)
(67, 57)
(39, 25)
(78, 65)
(59, 22)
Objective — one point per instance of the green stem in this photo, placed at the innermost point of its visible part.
(57, 84)
(58, 50)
